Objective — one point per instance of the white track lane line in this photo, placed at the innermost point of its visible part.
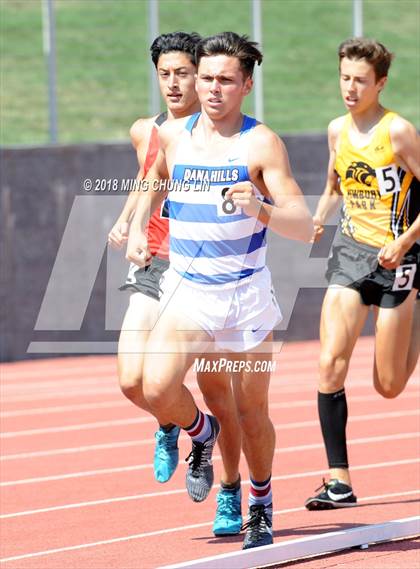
(60, 385)
(61, 395)
(81, 474)
(178, 529)
(286, 359)
(58, 369)
(97, 373)
(135, 420)
(75, 391)
(72, 450)
(122, 444)
(407, 394)
(300, 448)
(279, 385)
(76, 427)
(282, 366)
(90, 448)
(287, 351)
(69, 408)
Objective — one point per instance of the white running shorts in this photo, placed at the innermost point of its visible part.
(238, 317)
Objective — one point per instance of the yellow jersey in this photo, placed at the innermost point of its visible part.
(381, 199)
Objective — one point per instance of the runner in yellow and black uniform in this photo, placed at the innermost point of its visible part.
(381, 201)
(374, 168)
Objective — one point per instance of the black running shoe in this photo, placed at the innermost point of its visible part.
(259, 526)
(200, 477)
(335, 494)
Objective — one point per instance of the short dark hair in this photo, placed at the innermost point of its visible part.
(371, 50)
(233, 45)
(175, 41)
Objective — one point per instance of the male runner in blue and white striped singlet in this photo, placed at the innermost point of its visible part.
(173, 55)
(227, 179)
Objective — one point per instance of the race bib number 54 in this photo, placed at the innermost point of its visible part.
(388, 180)
(404, 276)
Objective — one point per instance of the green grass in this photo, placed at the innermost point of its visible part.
(102, 61)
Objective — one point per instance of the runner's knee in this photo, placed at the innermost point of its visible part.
(220, 401)
(131, 386)
(333, 370)
(253, 420)
(130, 379)
(217, 406)
(158, 393)
(389, 385)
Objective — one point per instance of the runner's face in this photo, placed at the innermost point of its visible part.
(176, 82)
(220, 85)
(358, 84)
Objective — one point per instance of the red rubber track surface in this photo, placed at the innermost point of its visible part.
(77, 486)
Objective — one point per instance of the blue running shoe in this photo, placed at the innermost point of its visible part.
(166, 453)
(228, 520)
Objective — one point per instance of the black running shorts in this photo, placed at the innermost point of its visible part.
(355, 265)
(146, 280)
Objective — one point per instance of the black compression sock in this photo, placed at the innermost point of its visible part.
(332, 409)
(233, 486)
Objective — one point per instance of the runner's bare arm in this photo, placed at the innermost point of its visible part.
(137, 246)
(270, 171)
(139, 133)
(390, 256)
(405, 142)
(406, 145)
(331, 197)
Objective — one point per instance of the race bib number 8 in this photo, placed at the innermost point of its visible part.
(404, 276)
(388, 180)
(225, 206)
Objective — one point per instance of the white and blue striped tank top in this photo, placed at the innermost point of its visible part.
(211, 241)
